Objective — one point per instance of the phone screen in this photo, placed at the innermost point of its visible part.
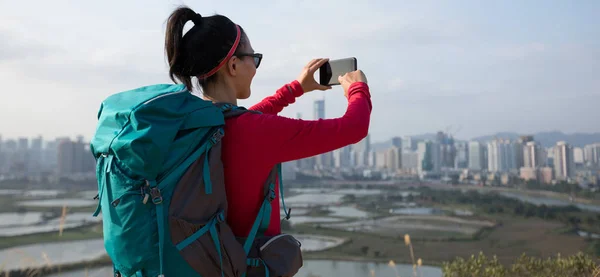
(330, 71)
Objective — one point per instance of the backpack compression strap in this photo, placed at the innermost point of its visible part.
(165, 182)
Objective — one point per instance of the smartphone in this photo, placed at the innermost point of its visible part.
(329, 72)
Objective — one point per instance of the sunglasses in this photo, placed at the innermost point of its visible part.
(256, 56)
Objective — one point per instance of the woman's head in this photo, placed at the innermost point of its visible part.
(215, 50)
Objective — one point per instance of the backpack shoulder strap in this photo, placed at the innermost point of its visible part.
(230, 110)
(263, 218)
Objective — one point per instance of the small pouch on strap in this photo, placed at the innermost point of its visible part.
(280, 254)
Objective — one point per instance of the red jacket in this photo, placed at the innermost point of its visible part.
(255, 143)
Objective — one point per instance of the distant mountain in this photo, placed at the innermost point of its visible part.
(547, 139)
(382, 145)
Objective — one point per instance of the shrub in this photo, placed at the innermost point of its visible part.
(579, 265)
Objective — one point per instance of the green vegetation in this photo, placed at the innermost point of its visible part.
(492, 203)
(88, 232)
(511, 238)
(56, 269)
(578, 265)
(562, 187)
(522, 229)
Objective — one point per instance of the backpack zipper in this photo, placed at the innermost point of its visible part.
(276, 238)
(164, 95)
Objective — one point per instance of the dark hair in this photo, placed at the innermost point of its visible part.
(202, 48)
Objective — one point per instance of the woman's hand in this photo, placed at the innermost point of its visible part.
(351, 78)
(307, 79)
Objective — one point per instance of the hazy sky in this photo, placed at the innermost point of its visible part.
(485, 66)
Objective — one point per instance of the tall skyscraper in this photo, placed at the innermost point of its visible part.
(66, 157)
(502, 156)
(447, 149)
(410, 160)
(343, 157)
(408, 143)
(429, 157)
(461, 160)
(564, 165)
(393, 159)
(533, 155)
(36, 155)
(578, 155)
(591, 154)
(3, 158)
(319, 109)
(73, 157)
(325, 160)
(477, 160)
(397, 145)
(362, 150)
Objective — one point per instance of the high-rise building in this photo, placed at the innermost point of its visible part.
(325, 160)
(447, 149)
(397, 149)
(408, 143)
(36, 155)
(362, 151)
(429, 157)
(591, 155)
(393, 159)
(477, 157)
(319, 109)
(3, 157)
(66, 157)
(502, 156)
(533, 155)
(578, 158)
(20, 159)
(410, 160)
(73, 157)
(379, 159)
(564, 165)
(520, 145)
(343, 157)
(10, 152)
(461, 160)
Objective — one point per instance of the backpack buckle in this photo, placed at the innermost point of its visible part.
(217, 136)
(271, 195)
(226, 107)
(156, 196)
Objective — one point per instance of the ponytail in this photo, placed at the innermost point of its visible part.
(173, 44)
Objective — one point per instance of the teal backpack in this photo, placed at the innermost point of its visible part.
(162, 195)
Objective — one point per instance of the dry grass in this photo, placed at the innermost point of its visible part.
(416, 264)
(63, 219)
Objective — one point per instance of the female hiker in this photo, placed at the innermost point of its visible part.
(219, 54)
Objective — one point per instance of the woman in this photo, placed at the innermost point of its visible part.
(218, 53)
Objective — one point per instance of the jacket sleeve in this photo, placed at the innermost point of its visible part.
(280, 139)
(282, 98)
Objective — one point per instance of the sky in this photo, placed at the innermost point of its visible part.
(473, 67)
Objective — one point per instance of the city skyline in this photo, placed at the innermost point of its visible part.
(429, 64)
(431, 134)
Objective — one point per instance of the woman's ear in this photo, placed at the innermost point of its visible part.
(232, 66)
